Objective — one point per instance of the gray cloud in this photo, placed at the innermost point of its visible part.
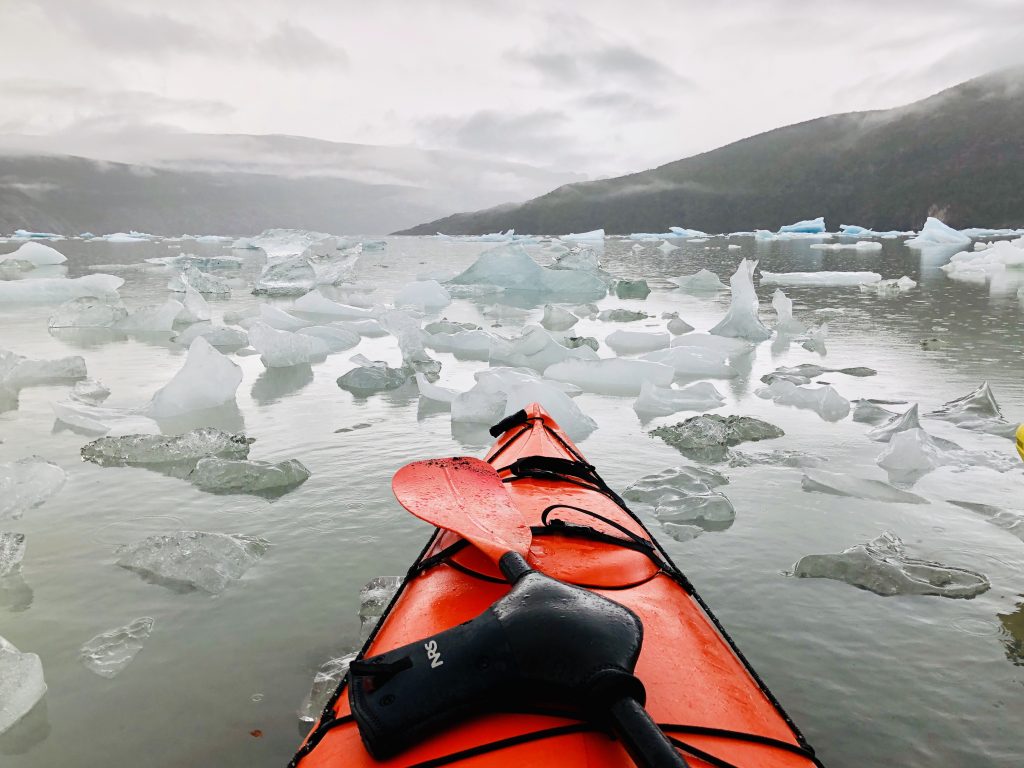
(293, 46)
(624, 105)
(600, 65)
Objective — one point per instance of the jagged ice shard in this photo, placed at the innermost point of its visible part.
(839, 484)
(193, 559)
(35, 253)
(823, 400)
(57, 290)
(664, 401)
(282, 349)
(882, 566)
(976, 411)
(935, 232)
(783, 306)
(218, 475)
(21, 684)
(206, 380)
(510, 267)
(109, 653)
(190, 447)
(27, 483)
(741, 320)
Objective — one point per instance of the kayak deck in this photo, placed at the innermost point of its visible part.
(699, 688)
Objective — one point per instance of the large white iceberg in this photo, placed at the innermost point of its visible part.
(510, 267)
(594, 234)
(741, 320)
(57, 290)
(858, 245)
(427, 294)
(807, 225)
(35, 253)
(819, 278)
(282, 349)
(934, 232)
(994, 259)
(88, 312)
(206, 380)
(615, 376)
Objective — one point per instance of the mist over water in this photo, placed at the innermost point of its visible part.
(909, 680)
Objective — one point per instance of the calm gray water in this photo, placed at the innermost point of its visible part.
(908, 681)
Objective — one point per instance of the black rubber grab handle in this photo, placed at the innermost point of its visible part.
(646, 743)
(503, 426)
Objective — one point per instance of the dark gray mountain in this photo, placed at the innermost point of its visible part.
(958, 155)
(172, 183)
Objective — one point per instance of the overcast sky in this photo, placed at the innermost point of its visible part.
(596, 87)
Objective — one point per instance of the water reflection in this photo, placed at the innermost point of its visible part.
(275, 383)
(1013, 634)
(31, 730)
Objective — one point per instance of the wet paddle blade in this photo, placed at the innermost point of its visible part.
(464, 495)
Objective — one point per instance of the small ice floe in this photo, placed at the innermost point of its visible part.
(194, 308)
(22, 685)
(36, 254)
(889, 287)
(775, 458)
(374, 598)
(803, 373)
(511, 268)
(700, 354)
(190, 276)
(207, 379)
(912, 453)
(152, 318)
(464, 344)
(976, 411)
(576, 237)
(26, 484)
(986, 263)
(612, 376)
(537, 349)
(280, 243)
(635, 342)
(676, 325)
(325, 682)
(667, 247)
(407, 331)
(557, 318)
(702, 281)
(279, 319)
(897, 422)
(631, 289)
(664, 401)
(872, 412)
(95, 420)
(12, 552)
(18, 372)
(841, 484)
(620, 315)
(218, 475)
(811, 226)
(57, 290)
(193, 559)
(685, 496)
(89, 312)
(934, 232)
(859, 245)
(109, 653)
(315, 303)
(154, 450)
(819, 278)
(370, 376)
(320, 264)
(783, 306)
(431, 391)
(219, 336)
(709, 436)
(578, 258)
(126, 237)
(282, 349)
(814, 339)
(336, 338)
(428, 295)
(823, 400)
(882, 566)
(575, 342)
(741, 321)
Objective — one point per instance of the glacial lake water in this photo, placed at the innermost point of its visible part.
(871, 680)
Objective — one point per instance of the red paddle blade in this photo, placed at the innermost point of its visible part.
(464, 495)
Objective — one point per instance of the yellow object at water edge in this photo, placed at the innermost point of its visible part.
(1020, 441)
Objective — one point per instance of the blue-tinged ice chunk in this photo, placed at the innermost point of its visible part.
(807, 225)
(934, 232)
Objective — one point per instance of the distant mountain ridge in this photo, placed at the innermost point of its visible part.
(958, 154)
(172, 183)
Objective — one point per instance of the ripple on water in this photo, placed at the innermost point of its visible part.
(972, 625)
(124, 531)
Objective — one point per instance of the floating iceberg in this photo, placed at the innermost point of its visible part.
(219, 475)
(934, 232)
(216, 335)
(676, 325)
(281, 349)
(709, 511)
(807, 225)
(35, 253)
(576, 237)
(206, 380)
(819, 278)
(620, 315)
(664, 401)
(1009, 520)
(298, 275)
(823, 400)
(109, 653)
(555, 401)
(510, 267)
(708, 436)
(21, 684)
(434, 392)
(374, 598)
(700, 281)
(102, 421)
(154, 450)
(325, 682)
(859, 245)
(635, 342)
(535, 349)
(858, 487)
(465, 345)
(315, 303)
(193, 559)
(279, 243)
(883, 567)
(911, 454)
(890, 287)
(192, 276)
(992, 260)
(558, 319)
(427, 294)
(408, 333)
(585, 259)
(871, 412)
(89, 312)
(776, 458)
(279, 319)
(976, 411)
(17, 372)
(632, 289)
(126, 237)
(334, 338)
(683, 232)
(694, 361)
(27, 483)
(57, 290)
(673, 483)
(615, 376)
(667, 247)
(741, 320)
(371, 376)
(897, 422)
(12, 551)
(152, 318)
(784, 309)
(194, 308)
